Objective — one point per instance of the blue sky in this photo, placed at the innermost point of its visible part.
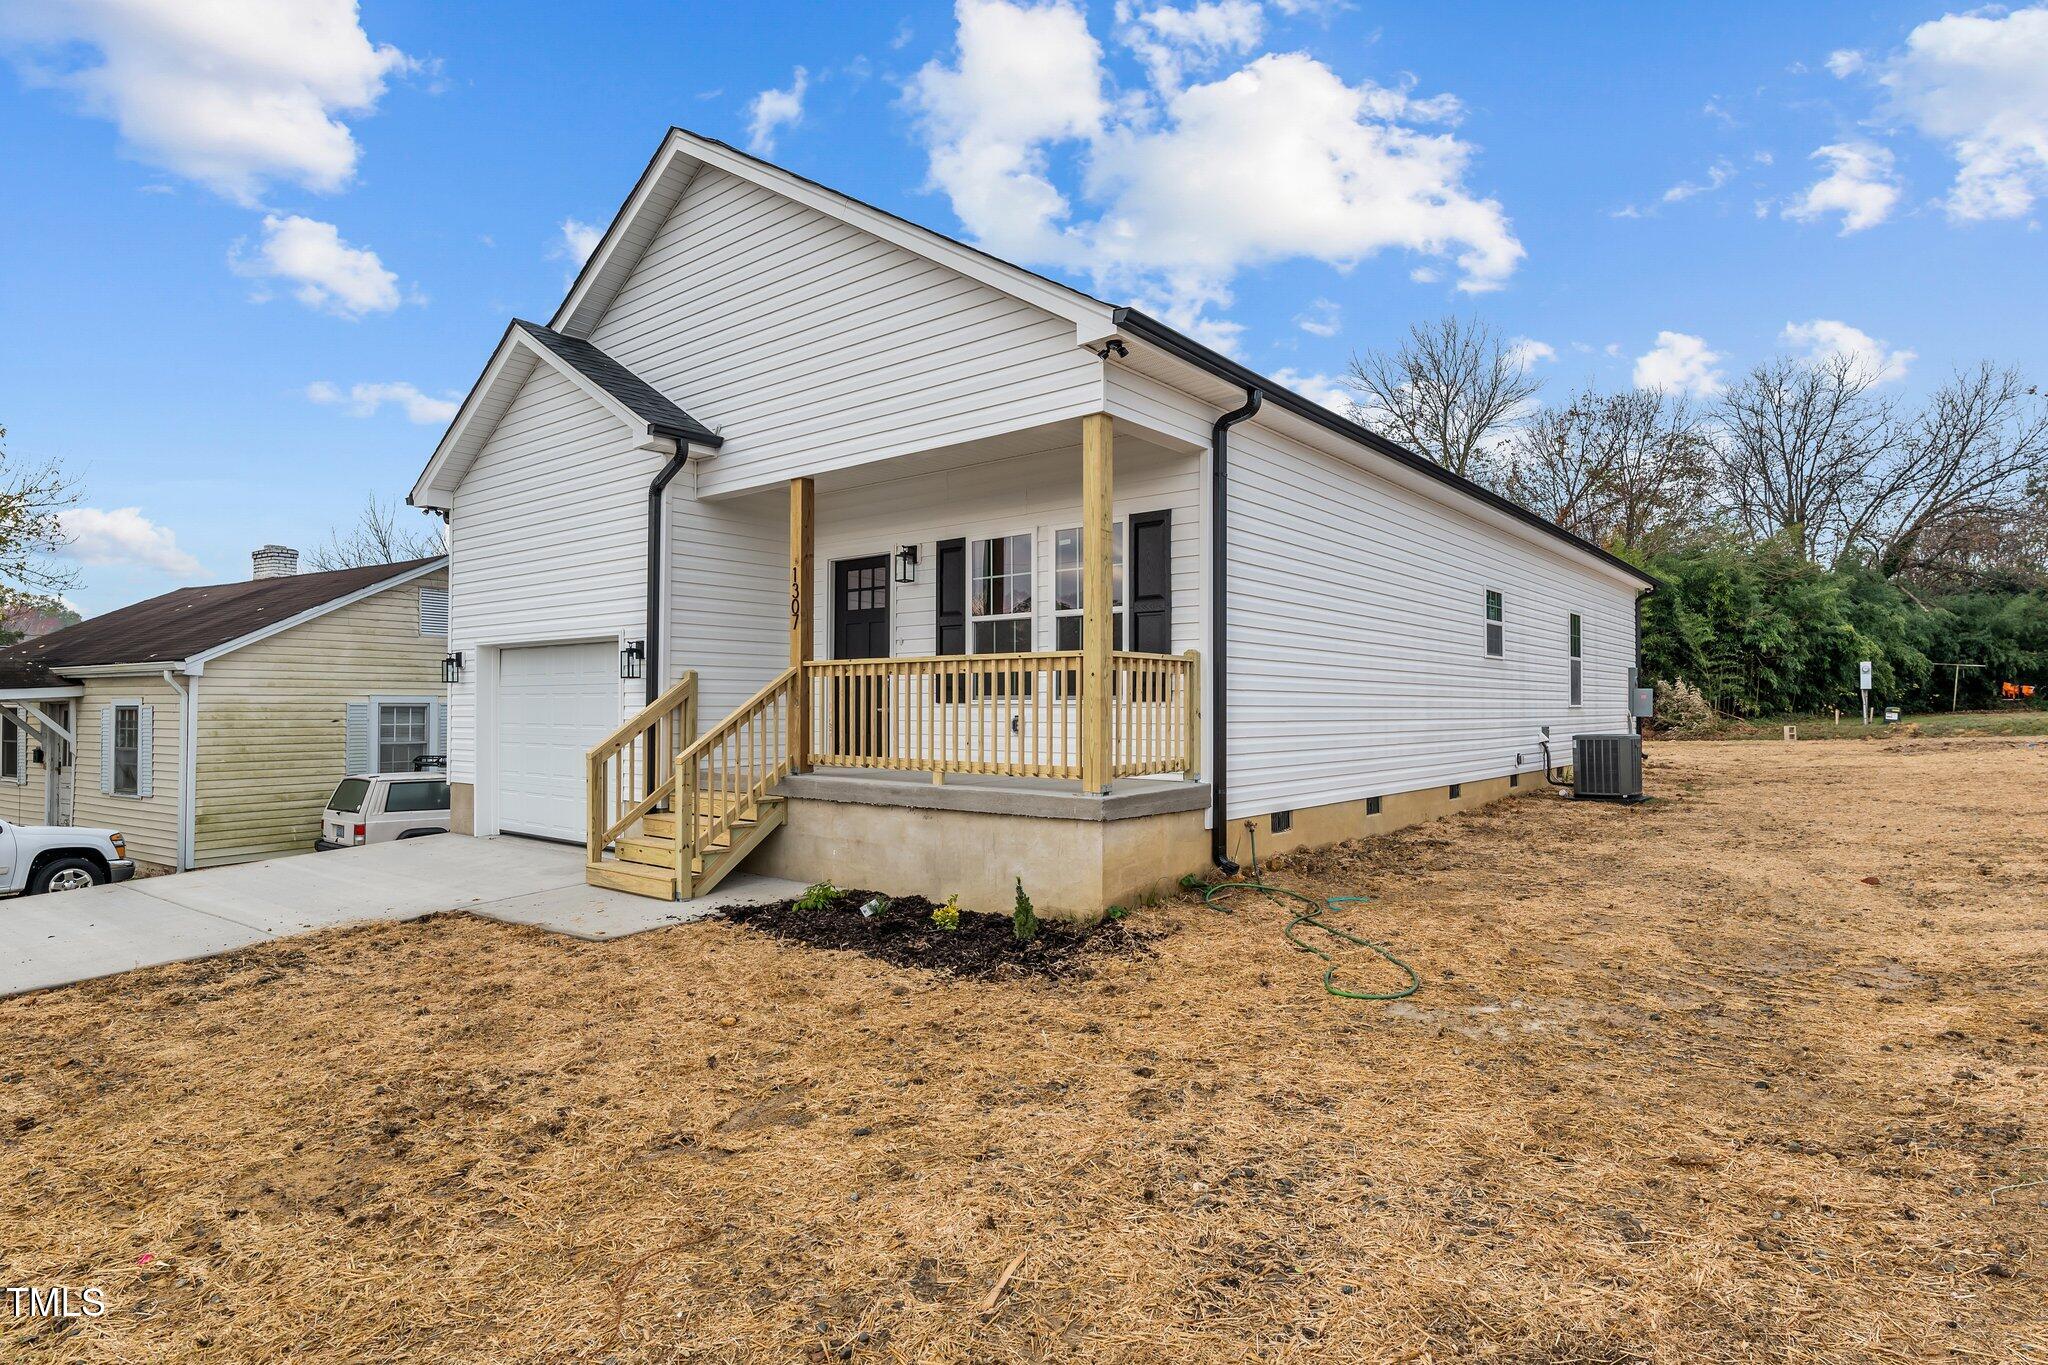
(217, 227)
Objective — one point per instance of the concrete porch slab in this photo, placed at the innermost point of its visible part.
(1129, 798)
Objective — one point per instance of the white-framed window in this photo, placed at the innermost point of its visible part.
(999, 577)
(403, 729)
(10, 749)
(1067, 578)
(127, 778)
(1578, 659)
(1496, 626)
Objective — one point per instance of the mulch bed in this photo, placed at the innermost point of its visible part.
(903, 935)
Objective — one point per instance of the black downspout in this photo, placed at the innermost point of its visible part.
(1219, 625)
(656, 570)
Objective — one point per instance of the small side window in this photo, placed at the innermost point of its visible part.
(1578, 660)
(1496, 630)
(405, 797)
(10, 748)
(127, 750)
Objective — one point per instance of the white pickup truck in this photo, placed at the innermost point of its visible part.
(39, 858)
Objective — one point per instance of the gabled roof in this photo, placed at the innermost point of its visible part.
(683, 153)
(182, 625)
(635, 394)
(640, 407)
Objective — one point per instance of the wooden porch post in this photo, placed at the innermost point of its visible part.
(1098, 442)
(803, 504)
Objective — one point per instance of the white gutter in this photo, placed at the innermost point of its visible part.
(188, 727)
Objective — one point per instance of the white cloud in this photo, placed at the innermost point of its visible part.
(1978, 82)
(1860, 185)
(1679, 363)
(1323, 318)
(1173, 42)
(365, 400)
(773, 110)
(1319, 388)
(1823, 339)
(1527, 352)
(579, 239)
(1845, 62)
(326, 272)
(1718, 174)
(123, 537)
(231, 95)
(1425, 274)
(1184, 188)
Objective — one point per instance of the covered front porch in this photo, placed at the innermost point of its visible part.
(1054, 686)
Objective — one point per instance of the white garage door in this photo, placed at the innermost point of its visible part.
(554, 702)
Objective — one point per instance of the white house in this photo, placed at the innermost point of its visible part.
(900, 565)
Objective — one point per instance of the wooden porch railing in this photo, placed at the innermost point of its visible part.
(723, 777)
(632, 770)
(1011, 715)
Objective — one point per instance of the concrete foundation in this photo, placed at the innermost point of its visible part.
(462, 807)
(1077, 855)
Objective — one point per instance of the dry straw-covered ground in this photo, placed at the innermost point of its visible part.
(1733, 1076)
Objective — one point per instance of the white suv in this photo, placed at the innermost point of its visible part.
(378, 807)
(39, 858)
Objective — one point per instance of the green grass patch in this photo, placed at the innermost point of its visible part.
(2018, 721)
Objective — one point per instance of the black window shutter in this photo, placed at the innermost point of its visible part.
(1151, 582)
(952, 597)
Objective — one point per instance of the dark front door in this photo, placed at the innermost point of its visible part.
(860, 630)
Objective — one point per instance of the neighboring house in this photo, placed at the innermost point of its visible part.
(944, 573)
(211, 724)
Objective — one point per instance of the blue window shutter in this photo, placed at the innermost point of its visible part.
(107, 749)
(145, 750)
(357, 752)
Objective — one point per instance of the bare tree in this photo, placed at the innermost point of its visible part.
(1970, 466)
(33, 498)
(1452, 391)
(376, 538)
(1802, 445)
(1625, 470)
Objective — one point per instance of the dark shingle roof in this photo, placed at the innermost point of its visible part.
(640, 398)
(177, 625)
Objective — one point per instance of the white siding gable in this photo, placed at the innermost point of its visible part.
(809, 344)
(547, 538)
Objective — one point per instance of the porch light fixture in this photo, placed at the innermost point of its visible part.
(451, 668)
(906, 564)
(631, 658)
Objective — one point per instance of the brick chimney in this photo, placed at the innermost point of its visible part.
(274, 561)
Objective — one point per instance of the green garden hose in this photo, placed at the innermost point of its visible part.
(1311, 918)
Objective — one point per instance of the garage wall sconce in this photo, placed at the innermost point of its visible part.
(906, 564)
(633, 658)
(451, 668)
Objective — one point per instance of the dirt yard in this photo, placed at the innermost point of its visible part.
(1737, 1075)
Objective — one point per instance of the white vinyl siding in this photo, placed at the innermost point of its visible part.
(810, 345)
(1358, 662)
(728, 600)
(548, 540)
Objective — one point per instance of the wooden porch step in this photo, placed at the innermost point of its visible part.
(662, 825)
(632, 877)
(659, 852)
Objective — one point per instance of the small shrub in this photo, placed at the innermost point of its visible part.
(947, 916)
(817, 896)
(1116, 912)
(1023, 920)
(1684, 709)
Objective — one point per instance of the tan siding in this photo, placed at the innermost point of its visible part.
(273, 719)
(150, 822)
(22, 802)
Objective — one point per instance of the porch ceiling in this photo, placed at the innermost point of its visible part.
(1135, 446)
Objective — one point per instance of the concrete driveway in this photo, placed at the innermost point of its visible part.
(77, 935)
